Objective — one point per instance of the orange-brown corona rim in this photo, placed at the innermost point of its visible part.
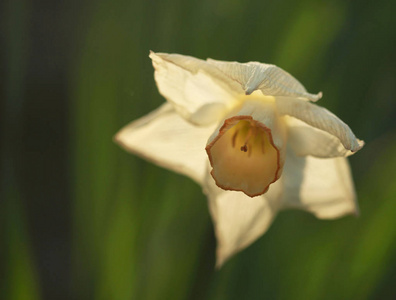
(228, 124)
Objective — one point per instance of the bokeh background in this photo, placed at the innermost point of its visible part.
(82, 219)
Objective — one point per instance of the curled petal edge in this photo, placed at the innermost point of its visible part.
(319, 118)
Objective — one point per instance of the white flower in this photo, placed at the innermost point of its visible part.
(267, 146)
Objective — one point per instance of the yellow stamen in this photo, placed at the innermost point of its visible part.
(234, 138)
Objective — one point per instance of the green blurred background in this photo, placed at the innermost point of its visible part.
(82, 219)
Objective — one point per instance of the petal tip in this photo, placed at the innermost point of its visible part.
(152, 54)
(359, 145)
(119, 139)
(219, 264)
(222, 257)
(155, 57)
(249, 91)
(116, 138)
(316, 97)
(356, 213)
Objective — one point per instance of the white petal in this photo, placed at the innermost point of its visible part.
(197, 90)
(323, 187)
(320, 118)
(247, 150)
(307, 140)
(270, 79)
(238, 219)
(166, 139)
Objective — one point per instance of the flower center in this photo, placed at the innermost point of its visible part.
(252, 136)
(243, 156)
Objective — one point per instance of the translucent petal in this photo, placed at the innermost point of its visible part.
(198, 91)
(239, 220)
(269, 79)
(320, 118)
(168, 140)
(323, 187)
(307, 140)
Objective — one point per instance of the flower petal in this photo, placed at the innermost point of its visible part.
(270, 79)
(323, 187)
(247, 150)
(320, 118)
(307, 140)
(198, 91)
(168, 140)
(238, 219)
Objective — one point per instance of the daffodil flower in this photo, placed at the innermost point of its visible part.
(250, 135)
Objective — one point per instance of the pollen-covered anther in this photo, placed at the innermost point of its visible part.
(244, 148)
(254, 133)
(247, 168)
